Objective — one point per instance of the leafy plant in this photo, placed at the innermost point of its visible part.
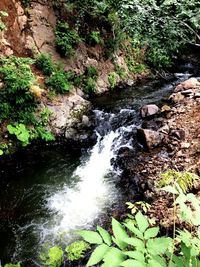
(54, 257)
(58, 82)
(184, 179)
(89, 85)
(112, 78)
(44, 63)
(76, 250)
(66, 39)
(137, 244)
(95, 38)
(2, 25)
(21, 132)
(16, 99)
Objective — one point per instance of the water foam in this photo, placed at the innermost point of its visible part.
(78, 207)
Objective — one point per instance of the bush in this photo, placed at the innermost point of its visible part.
(136, 243)
(17, 102)
(76, 250)
(58, 82)
(162, 27)
(112, 78)
(44, 63)
(66, 39)
(95, 38)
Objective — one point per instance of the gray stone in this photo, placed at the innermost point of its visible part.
(149, 138)
(149, 110)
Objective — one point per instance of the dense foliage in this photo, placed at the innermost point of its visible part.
(162, 28)
(18, 104)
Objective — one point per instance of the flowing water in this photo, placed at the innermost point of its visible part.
(66, 190)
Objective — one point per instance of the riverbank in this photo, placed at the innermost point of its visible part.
(178, 127)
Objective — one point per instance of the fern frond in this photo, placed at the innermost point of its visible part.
(184, 179)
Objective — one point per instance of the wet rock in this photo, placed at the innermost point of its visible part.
(165, 108)
(149, 110)
(185, 145)
(85, 120)
(191, 83)
(149, 138)
(188, 92)
(176, 97)
(179, 134)
(165, 129)
(197, 94)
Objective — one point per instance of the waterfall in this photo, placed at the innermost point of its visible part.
(78, 206)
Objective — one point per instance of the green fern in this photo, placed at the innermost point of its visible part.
(184, 179)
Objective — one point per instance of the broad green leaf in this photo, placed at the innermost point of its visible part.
(135, 255)
(137, 243)
(157, 261)
(1, 152)
(170, 189)
(114, 257)
(97, 255)
(119, 233)
(133, 263)
(130, 225)
(185, 250)
(177, 261)
(118, 230)
(90, 236)
(151, 232)
(142, 222)
(122, 245)
(105, 235)
(158, 246)
(154, 263)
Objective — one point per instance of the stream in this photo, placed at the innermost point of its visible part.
(61, 190)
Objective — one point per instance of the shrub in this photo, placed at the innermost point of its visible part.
(76, 250)
(89, 85)
(44, 63)
(95, 38)
(54, 257)
(2, 25)
(21, 132)
(136, 242)
(112, 78)
(92, 72)
(17, 102)
(66, 39)
(58, 82)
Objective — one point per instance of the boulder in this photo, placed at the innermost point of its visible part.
(148, 138)
(149, 110)
(191, 83)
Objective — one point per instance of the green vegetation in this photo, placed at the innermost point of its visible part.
(112, 78)
(139, 242)
(160, 28)
(136, 242)
(19, 103)
(44, 63)
(76, 250)
(66, 39)
(95, 38)
(55, 256)
(2, 25)
(58, 82)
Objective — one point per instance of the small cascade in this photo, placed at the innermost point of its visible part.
(77, 207)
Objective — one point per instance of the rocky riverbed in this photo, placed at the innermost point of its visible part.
(170, 139)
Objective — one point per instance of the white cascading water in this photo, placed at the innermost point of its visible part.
(79, 206)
